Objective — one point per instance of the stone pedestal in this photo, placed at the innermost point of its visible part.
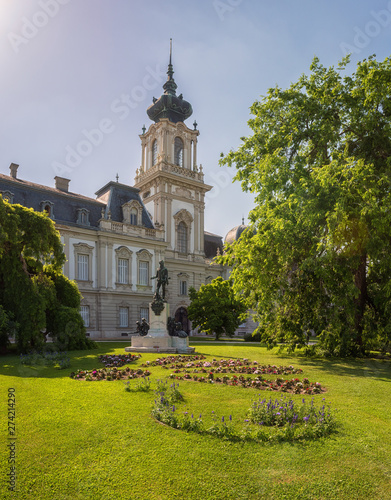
(158, 339)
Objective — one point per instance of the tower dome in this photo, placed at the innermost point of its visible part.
(234, 234)
(169, 105)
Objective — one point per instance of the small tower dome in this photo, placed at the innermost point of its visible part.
(234, 234)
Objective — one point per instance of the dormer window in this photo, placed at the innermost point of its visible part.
(178, 151)
(83, 217)
(47, 207)
(7, 196)
(132, 213)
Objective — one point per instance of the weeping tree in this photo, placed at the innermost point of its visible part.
(35, 297)
(316, 257)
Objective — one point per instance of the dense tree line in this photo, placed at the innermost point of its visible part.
(316, 257)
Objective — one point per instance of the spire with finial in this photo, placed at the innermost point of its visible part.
(170, 86)
(169, 105)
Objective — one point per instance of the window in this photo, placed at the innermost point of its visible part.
(83, 255)
(178, 152)
(132, 212)
(47, 206)
(183, 288)
(7, 196)
(154, 152)
(82, 267)
(144, 266)
(85, 314)
(123, 259)
(133, 216)
(123, 271)
(182, 238)
(123, 317)
(83, 217)
(183, 223)
(143, 273)
(144, 313)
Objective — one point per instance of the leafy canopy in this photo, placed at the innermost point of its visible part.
(35, 297)
(215, 309)
(316, 256)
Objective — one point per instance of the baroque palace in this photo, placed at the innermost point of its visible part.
(114, 243)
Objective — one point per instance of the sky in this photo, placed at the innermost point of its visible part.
(66, 66)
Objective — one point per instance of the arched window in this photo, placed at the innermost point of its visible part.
(178, 152)
(154, 152)
(182, 237)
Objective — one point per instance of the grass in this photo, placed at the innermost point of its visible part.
(95, 440)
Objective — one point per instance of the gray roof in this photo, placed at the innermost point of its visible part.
(213, 244)
(66, 205)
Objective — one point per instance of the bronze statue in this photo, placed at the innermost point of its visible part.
(162, 280)
(142, 328)
(175, 328)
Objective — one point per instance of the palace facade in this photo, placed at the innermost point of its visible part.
(114, 243)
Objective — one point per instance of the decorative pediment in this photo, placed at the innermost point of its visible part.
(83, 248)
(144, 255)
(123, 252)
(183, 216)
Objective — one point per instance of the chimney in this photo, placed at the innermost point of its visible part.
(13, 170)
(62, 184)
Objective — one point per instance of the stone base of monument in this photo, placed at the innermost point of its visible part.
(158, 339)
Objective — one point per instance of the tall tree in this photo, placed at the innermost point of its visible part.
(215, 309)
(33, 290)
(316, 256)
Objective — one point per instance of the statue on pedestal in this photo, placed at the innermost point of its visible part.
(162, 281)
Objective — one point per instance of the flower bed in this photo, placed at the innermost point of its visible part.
(118, 360)
(237, 372)
(269, 421)
(109, 374)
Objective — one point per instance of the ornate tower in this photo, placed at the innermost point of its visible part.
(170, 181)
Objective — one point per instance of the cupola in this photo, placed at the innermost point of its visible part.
(169, 105)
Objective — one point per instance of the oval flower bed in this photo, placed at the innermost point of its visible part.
(220, 371)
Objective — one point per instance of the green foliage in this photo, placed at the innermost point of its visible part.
(7, 328)
(67, 291)
(33, 290)
(68, 329)
(316, 256)
(215, 308)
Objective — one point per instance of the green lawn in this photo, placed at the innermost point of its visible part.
(93, 440)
